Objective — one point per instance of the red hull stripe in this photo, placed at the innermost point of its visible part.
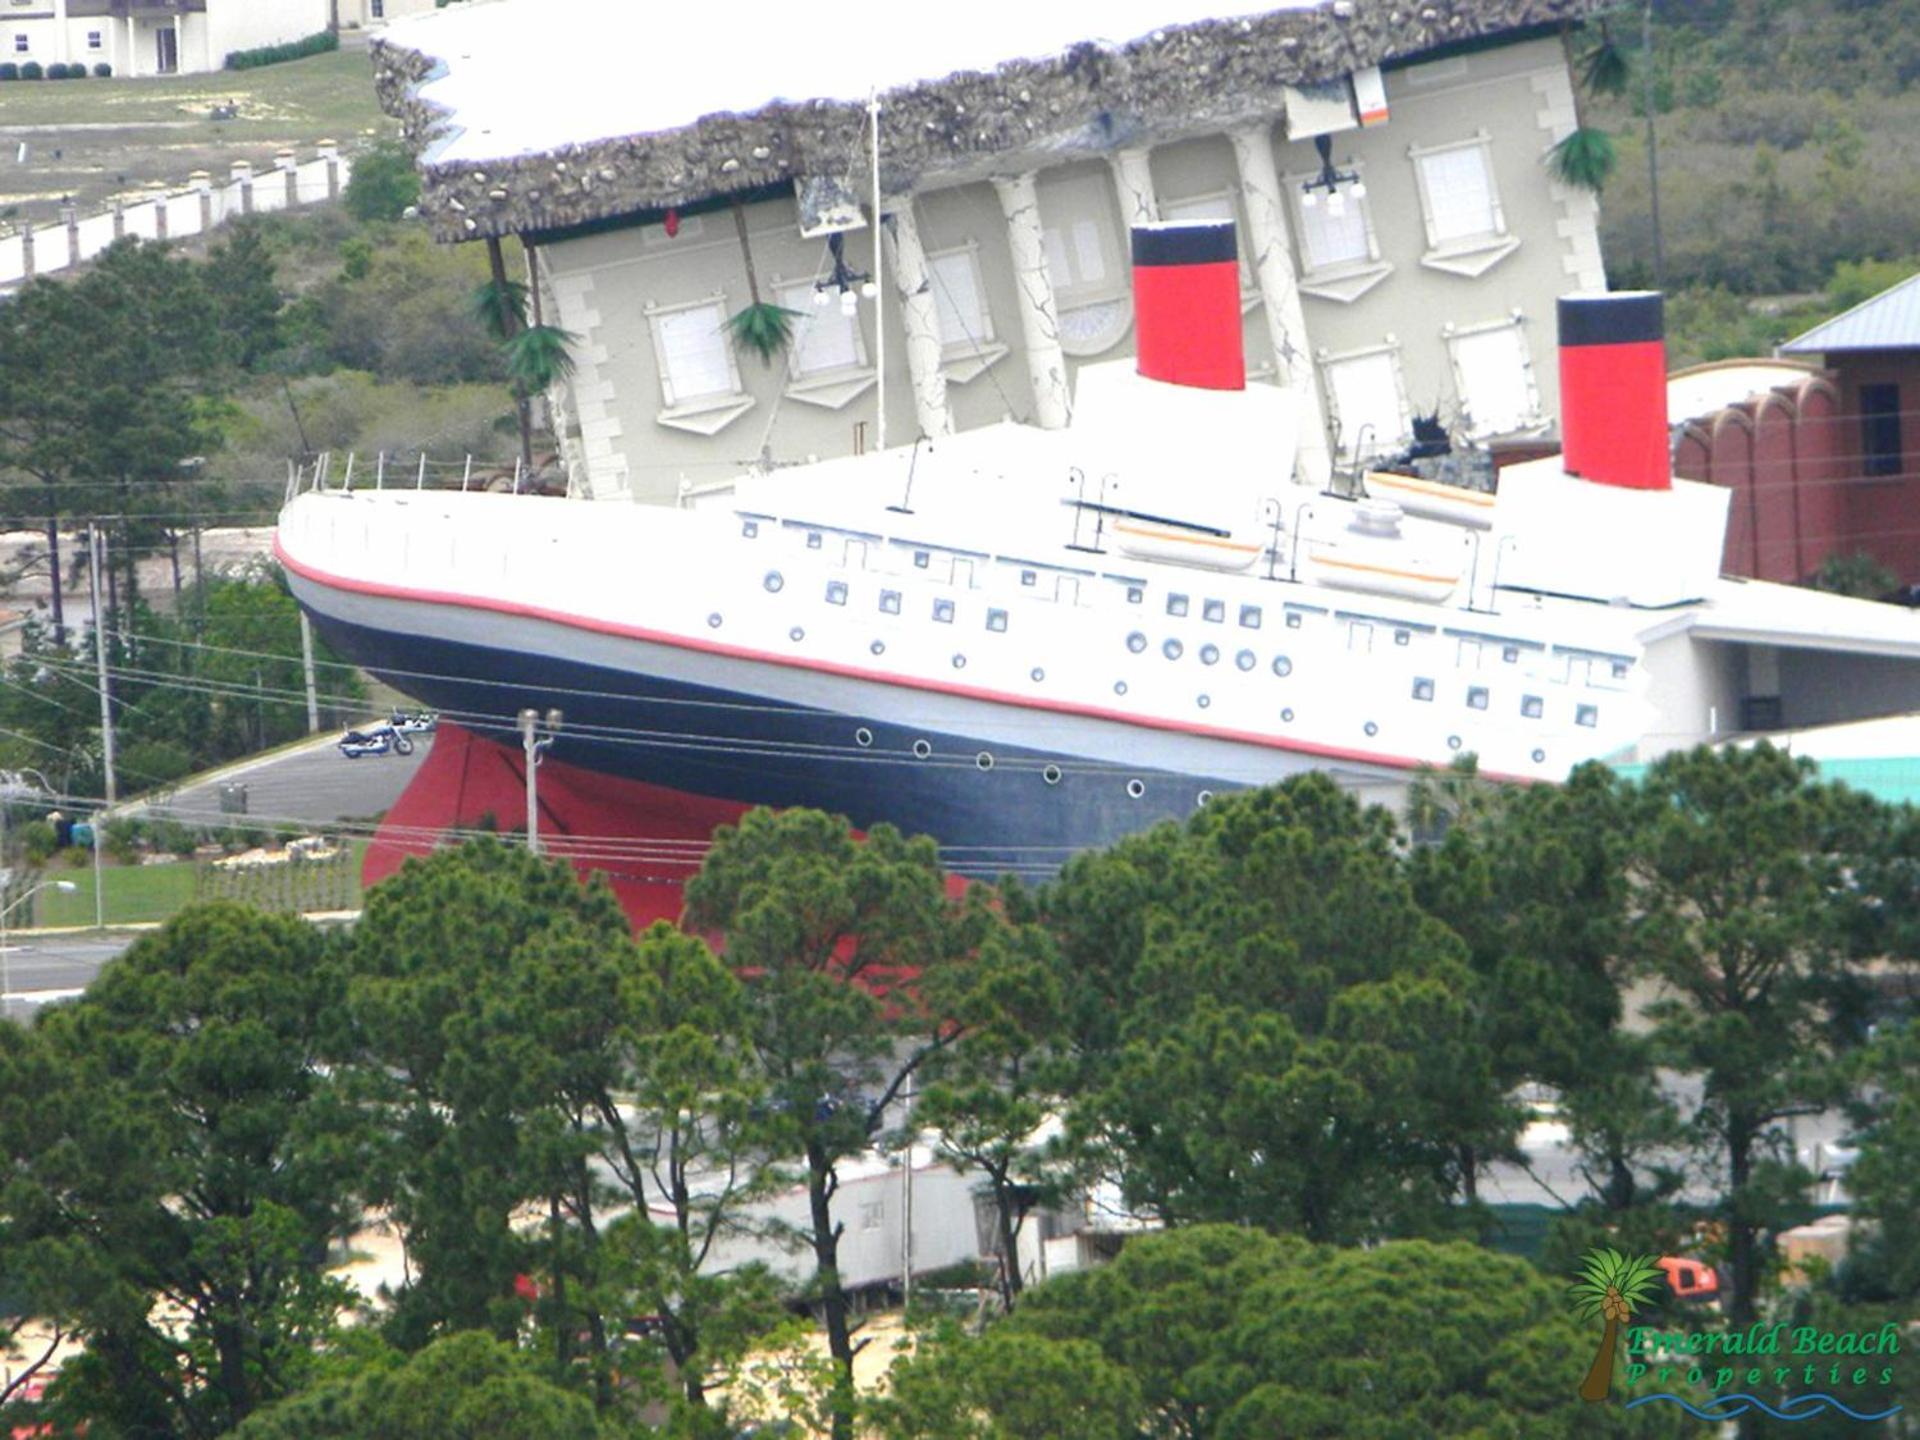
(828, 667)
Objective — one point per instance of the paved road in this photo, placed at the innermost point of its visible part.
(313, 783)
(42, 968)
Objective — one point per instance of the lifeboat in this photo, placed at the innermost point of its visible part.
(1433, 499)
(1371, 554)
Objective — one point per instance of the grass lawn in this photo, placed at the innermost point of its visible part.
(138, 893)
(94, 139)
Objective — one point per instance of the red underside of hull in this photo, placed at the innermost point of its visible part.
(647, 840)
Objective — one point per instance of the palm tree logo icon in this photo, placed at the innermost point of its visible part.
(1612, 1286)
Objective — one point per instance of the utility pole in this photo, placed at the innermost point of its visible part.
(306, 660)
(536, 746)
(96, 557)
(1653, 154)
(906, 1207)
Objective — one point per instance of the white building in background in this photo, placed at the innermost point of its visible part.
(365, 14)
(152, 37)
(1422, 280)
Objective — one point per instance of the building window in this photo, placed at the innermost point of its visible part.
(1423, 688)
(1466, 227)
(889, 602)
(95, 40)
(1176, 604)
(1338, 252)
(1080, 240)
(1880, 429)
(943, 611)
(1250, 617)
(1476, 697)
(996, 620)
(1215, 611)
(836, 592)
(378, 8)
(19, 44)
(960, 299)
(699, 379)
(1532, 706)
(1366, 400)
(1493, 376)
(824, 337)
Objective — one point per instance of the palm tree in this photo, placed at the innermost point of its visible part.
(1585, 158)
(1611, 1286)
(762, 327)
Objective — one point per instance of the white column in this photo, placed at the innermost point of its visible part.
(133, 60)
(920, 319)
(1133, 179)
(1272, 252)
(1033, 293)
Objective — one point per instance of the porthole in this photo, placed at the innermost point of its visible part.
(750, 528)
(1477, 697)
(796, 634)
(1423, 689)
(943, 611)
(1135, 789)
(1371, 729)
(1587, 715)
(1249, 617)
(1038, 674)
(1532, 706)
(959, 662)
(1203, 701)
(921, 749)
(889, 602)
(1214, 610)
(1136, 642)
(1172, 649)
(1286, 716)
(813, 540)
(1539, 757)
(983, 760)
(836, 592)
(997, 620)
(1176, 604)
(1453, 742)
(1119, 687)
(1209, 654)
(1246, 660)
(773, 582)
(1051, 774)
(878, 647)
(1282, 666)
(863, 737)
(1205, 797)
(713, 621)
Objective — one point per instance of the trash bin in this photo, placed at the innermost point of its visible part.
(233, 798)
(83, 835)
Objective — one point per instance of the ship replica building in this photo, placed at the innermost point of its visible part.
(1066, 511)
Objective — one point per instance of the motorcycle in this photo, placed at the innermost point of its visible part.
(375, 740)
(414, 722)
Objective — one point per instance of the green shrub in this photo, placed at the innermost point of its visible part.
(56, 71)
(103, 71)
(76, 71)
(9, 70)
(383, 183)
(32, 70)
(318, 44)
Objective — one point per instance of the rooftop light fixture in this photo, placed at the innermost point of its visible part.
(1331, 181)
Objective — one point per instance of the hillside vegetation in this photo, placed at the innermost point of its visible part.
(1788, 138)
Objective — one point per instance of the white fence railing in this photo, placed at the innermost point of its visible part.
(203, 206)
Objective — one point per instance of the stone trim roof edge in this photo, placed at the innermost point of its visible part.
(1209, 74)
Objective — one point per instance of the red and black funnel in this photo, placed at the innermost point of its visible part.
(1186, 304)
(1613, 389)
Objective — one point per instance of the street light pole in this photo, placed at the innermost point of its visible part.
(535, 745)
(6, 966)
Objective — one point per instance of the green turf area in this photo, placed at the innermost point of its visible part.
(94, 139)
(136, 893)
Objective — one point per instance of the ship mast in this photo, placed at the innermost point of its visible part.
(879, 293)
